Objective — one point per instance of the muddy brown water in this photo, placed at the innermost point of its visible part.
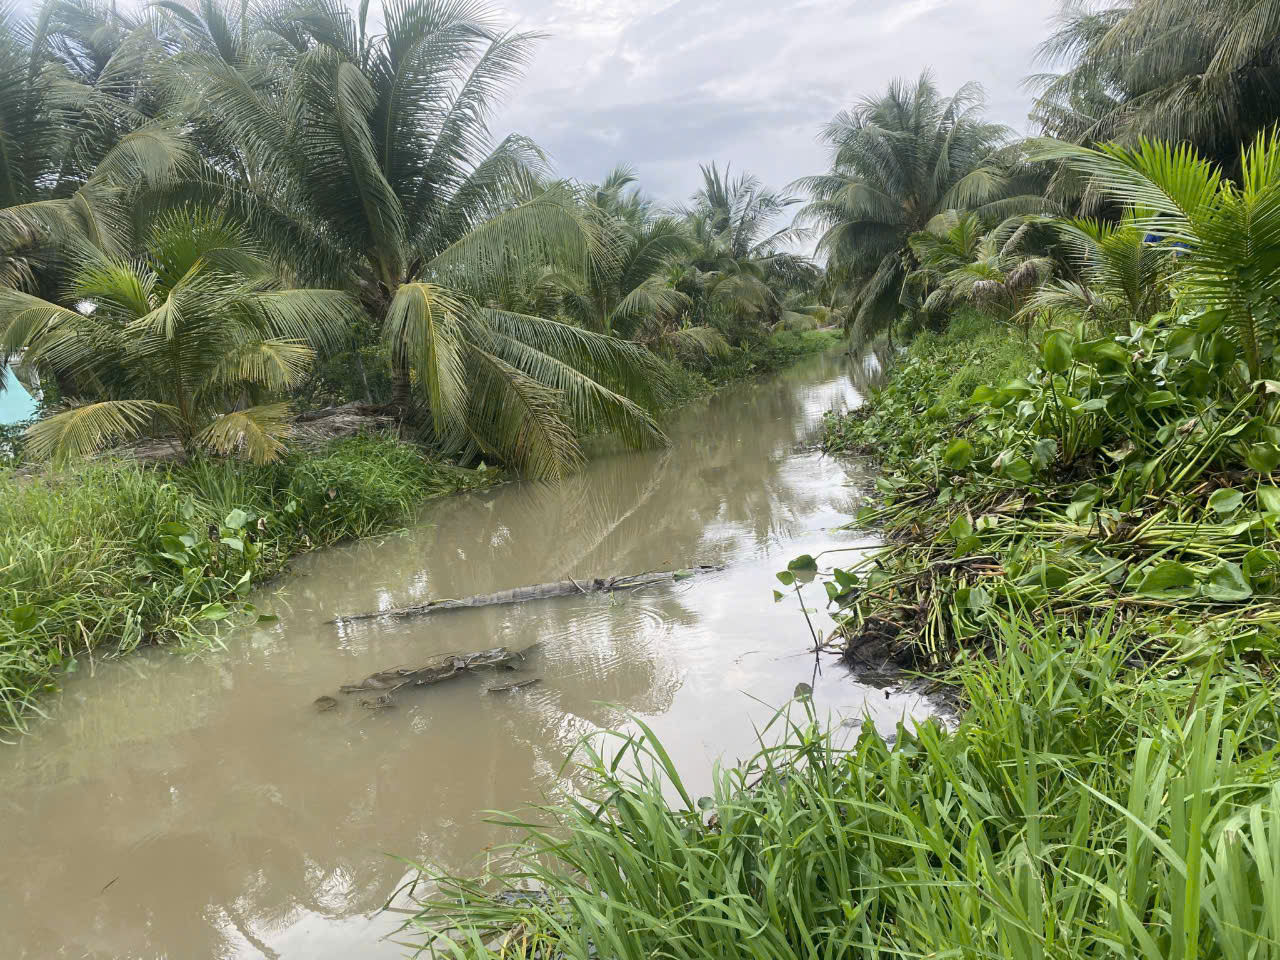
(192, 807)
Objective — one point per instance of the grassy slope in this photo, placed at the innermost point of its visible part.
(1111, 790)
(116, 554)
(926, 393)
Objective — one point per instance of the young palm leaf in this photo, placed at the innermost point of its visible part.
(190, 336)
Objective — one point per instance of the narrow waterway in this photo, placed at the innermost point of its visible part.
(179, 807)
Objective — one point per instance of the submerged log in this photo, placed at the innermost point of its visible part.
(540, 591)
(518, 685)
(435, 670)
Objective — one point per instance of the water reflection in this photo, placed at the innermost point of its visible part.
(200, 807)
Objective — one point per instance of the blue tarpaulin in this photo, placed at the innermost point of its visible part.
(16, 405)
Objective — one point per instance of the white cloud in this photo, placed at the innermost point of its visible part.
(668, 84)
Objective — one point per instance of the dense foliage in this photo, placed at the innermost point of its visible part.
(1124, 469)
(1178, 70)
(410, 259)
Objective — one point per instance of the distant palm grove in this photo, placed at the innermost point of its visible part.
(216, 214)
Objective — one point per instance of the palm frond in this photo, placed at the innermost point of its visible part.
(519, 418)
(83, 430)
(256, 433)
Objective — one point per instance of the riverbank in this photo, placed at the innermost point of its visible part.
(117, 554)
(112, 555)
(1081, 808)
(1082, 550)
(1100, 474)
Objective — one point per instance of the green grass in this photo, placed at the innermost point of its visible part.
(112, 555)
(1082, 807)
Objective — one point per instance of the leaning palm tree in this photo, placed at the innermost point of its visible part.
(190, 336)
(898, 161)
(368, 162)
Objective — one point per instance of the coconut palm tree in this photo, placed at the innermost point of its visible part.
(190, 336)
(367, 162)
(1207, 73)
(898, 160)
(742, 266)
(80, 147)
(963, 262)
(618, 294)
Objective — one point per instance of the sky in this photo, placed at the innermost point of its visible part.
(665, 85)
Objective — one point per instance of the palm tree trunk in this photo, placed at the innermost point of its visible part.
(400, 386)
(364, 378)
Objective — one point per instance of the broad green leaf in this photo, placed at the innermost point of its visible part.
(1258, 560)
(959, 454)
(1226, 501)
(23, 617)
(1047, 575)
(213, 611)
(1110, 356)
(1182, 343)
(960, 529)
(236, 519)
(1269, 499)
(1083, 500)
(1227, 584)
(1167, 580)
(1056, 352)
(1017, 468)
(1263, 457)
(803, 563)
(786, 577)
